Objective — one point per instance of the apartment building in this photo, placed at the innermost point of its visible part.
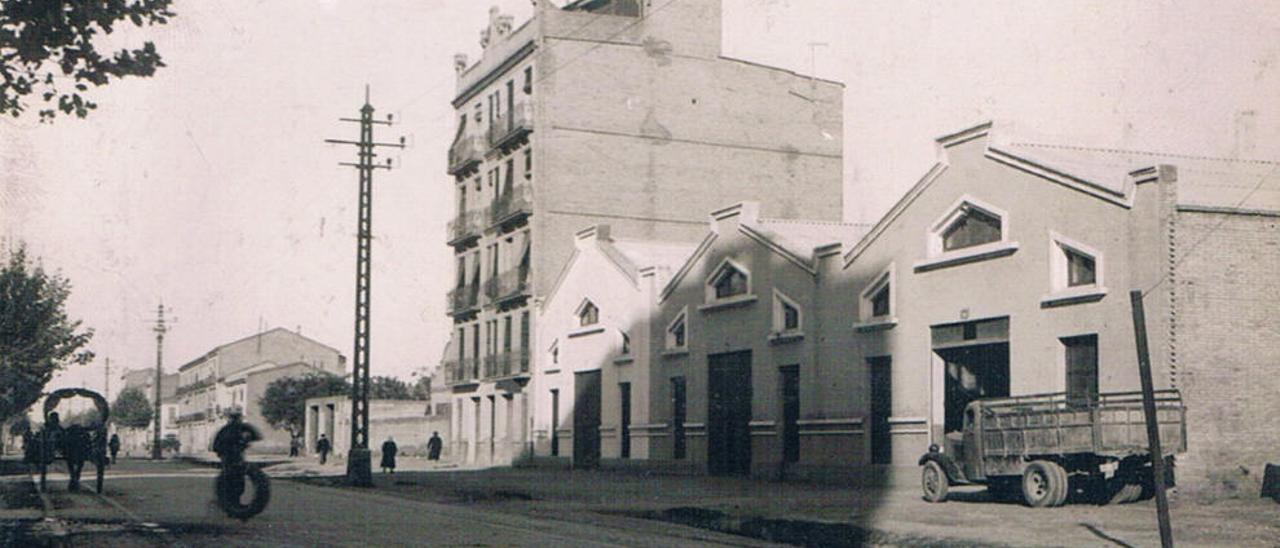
(616, 112)
(234, 376)
(136, 441)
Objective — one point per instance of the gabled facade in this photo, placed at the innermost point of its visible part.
(740, 381)
(1007, 269)
(592, 384)
(607, 111)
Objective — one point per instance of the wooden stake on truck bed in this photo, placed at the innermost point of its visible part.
(1153, 422)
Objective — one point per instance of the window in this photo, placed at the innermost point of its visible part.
(971, 227)
(528, 80)
(677, 332)
(1075, 272)
(728, 280)
(626, 343)
(786, 314)
(528, 163)
(876, 306)
(880, 302)
(555, 353)
(588, 314)
(1081, 356)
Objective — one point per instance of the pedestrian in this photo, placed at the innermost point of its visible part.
(323, 447)
(389, 456)
(433, 446)
(114, 446)
(293, 446)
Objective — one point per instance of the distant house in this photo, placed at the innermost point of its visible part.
(235, 375)
(137, 441)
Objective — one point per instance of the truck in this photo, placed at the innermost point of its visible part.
(1049, 447)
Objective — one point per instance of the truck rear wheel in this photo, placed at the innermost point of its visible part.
(934, 482)
(1044, 484)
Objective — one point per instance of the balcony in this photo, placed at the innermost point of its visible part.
(509, 285)
(464, 299)
(511, 362)
(515, 202)
(465, 154)
(460, 371)
(465, 227)
(511, 126)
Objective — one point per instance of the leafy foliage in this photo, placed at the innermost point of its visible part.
(48, 46)
(284, 402)
(388, 388)
(36, 337)
(422, 388)
(132, 409)
(20, 425)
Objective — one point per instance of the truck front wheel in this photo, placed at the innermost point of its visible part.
(933, 480)
(1044, 484)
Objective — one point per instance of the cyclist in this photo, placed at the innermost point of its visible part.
(230, 443)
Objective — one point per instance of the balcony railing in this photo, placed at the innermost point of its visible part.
(511, 362)
(508, 285)
(463, 299)
(511, 125)
(466, 226)
(465, 153)
(460, 371)
(513, 202)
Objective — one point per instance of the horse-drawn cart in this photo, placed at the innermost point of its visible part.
(75, 444)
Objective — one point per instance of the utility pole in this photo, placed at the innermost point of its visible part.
(160, 330)
(106, 381)
(359, 467)
(1152, 418)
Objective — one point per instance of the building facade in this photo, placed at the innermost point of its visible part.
(611, 112)
(137, 441)
(815, 349)
(409, 422)
(234, 376)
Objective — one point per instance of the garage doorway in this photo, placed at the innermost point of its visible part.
(975, 357)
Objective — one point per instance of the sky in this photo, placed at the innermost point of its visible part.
(209, 187)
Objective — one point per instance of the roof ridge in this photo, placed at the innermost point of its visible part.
(811, 222)
(1144, 152)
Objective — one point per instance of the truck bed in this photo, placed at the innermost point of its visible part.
(1047, 424)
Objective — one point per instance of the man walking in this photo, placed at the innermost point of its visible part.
(323, 447)
(114, 447)
(433, 446)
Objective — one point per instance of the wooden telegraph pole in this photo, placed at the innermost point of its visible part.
(1153, 422)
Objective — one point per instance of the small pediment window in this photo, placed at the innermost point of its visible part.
(972, 226)
(588, 314)
(728, 280)
(877, 302)
(1081, 268)
(786, 314)
(677, 332)
(1074, 266)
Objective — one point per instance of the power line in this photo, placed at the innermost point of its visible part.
(1191, 250)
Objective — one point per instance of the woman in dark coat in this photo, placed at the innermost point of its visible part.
(389, 455)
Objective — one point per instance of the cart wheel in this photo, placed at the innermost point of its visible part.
(1043, 484)
(933, 480)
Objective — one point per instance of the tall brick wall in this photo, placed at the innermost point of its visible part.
(1227, 293)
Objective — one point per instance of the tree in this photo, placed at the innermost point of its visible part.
(37, 338)
(422, 388)
(388, 388)
(285, 399)
(48, 46)
(19, 425)
(132, 409)
(87, 418)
